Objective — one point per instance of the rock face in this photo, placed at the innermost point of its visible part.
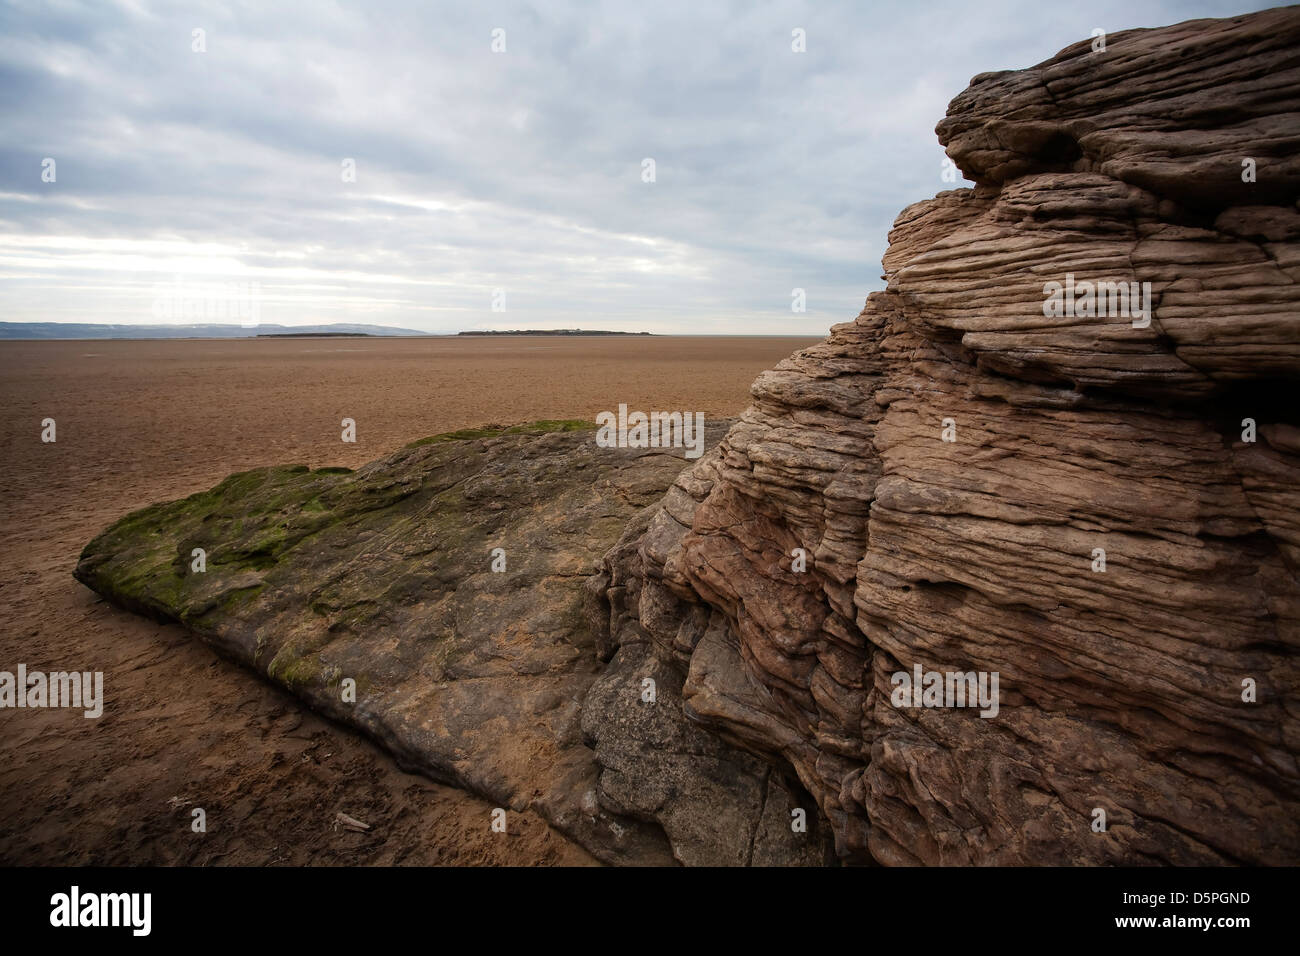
(1073, 501)
(381, 581)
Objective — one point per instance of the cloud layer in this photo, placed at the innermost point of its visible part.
(478, 171)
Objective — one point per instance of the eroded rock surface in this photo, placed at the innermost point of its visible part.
(1120, 689)
(1073, 501)
(384, 577)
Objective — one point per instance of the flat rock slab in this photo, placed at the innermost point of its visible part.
(372, 595)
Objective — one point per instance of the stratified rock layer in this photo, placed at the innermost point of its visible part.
(382, 582)
(1125, 686)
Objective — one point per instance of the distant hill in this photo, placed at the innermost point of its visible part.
(315, 335)
(97, 330)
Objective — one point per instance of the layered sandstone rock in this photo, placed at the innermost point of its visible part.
(1124, 690)
(1100, 508)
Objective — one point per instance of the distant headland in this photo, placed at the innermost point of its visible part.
(105, 330)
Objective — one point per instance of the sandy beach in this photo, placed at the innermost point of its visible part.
(148, 420)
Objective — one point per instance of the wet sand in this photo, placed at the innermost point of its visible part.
(145, 421)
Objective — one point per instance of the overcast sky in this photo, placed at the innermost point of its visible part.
(178, 174)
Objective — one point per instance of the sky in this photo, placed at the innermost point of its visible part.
(446, 167)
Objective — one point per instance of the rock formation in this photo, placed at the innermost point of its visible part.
(1062, 447)
(1075, 502)
(377, 597)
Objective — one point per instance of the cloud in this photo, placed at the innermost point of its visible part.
(479, 171)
